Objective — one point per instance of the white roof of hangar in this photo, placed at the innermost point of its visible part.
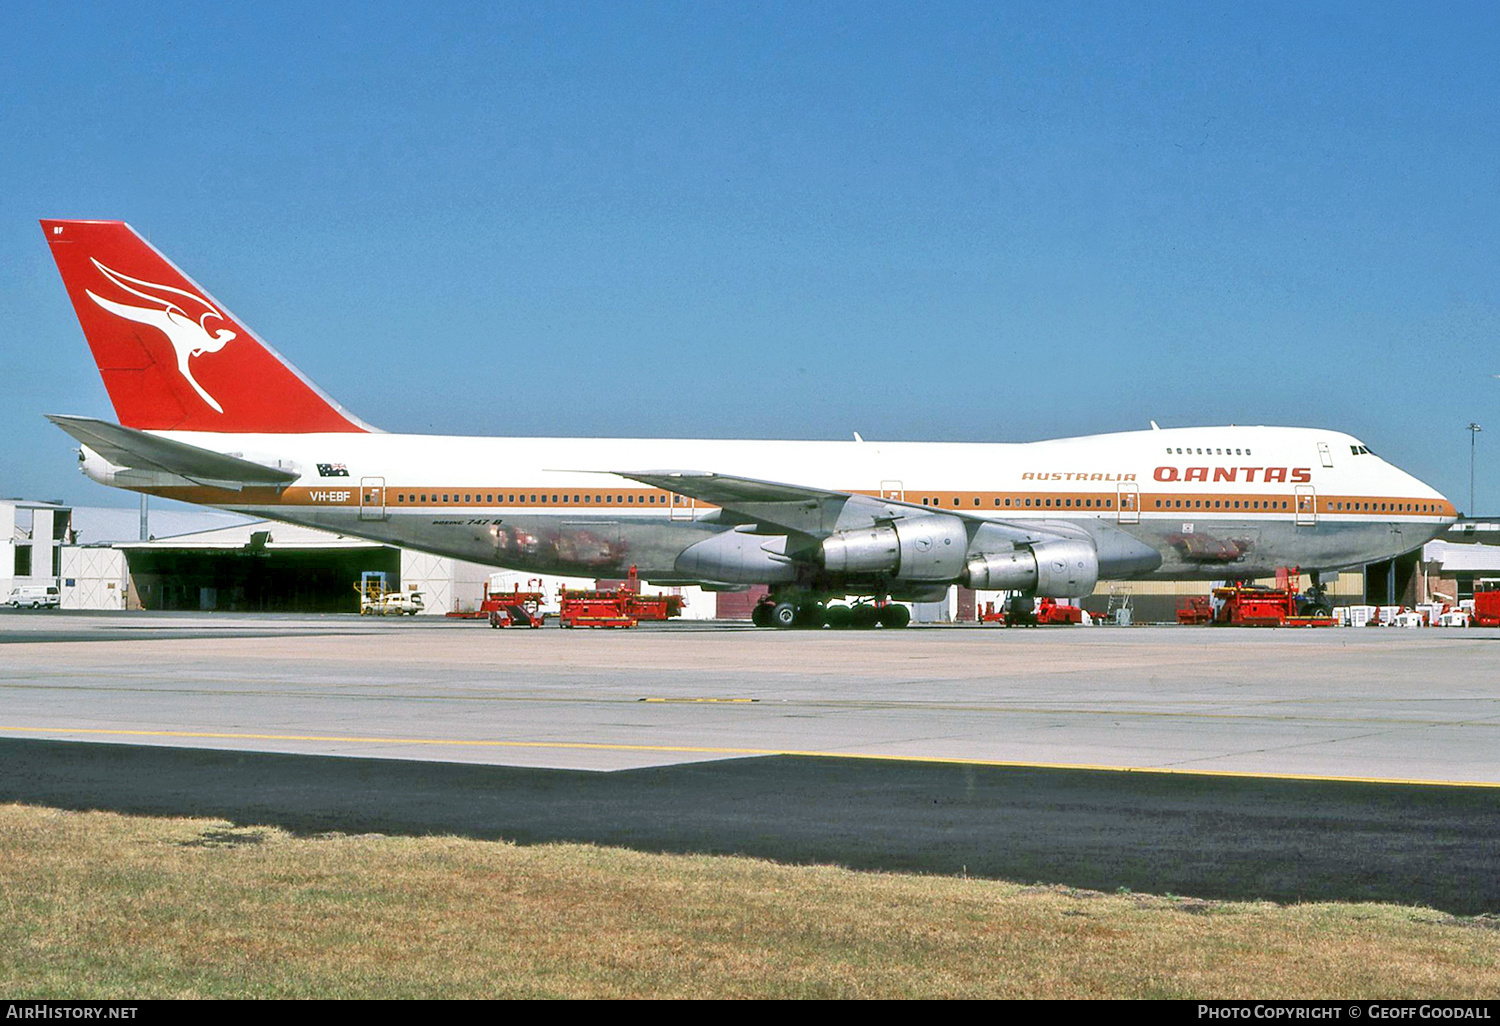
(1462, 559)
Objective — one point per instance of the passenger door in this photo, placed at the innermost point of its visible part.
(1307, 506)
(372, 498)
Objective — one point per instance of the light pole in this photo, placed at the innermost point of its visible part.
(1474, 430)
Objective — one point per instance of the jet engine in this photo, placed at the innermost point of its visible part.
(1064, 568)
(922, 548)
(737, 557)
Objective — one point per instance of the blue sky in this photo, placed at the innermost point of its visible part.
(1002, 221)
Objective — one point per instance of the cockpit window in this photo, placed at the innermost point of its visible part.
(1360, 450)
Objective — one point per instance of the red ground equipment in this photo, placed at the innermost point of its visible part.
(514, 608)
(654, 607)
(1245, 605)
(1050, 612)
(593, 609)
(1195, 609)
(624, 606)
(1047, 612)
(1487, 608)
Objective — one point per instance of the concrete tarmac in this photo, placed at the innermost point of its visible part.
(1217, 763)
(1352, 703)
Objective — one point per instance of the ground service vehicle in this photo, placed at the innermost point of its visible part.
(393, 603)
(37, 596)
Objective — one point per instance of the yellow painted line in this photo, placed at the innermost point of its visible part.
(936, 760)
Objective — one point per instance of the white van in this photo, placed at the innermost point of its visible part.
(393, 603)
(34, 595)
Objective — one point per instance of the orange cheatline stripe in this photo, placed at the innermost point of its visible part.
(552, 498)
(697, 750)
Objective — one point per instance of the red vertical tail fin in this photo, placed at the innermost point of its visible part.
(172, 357)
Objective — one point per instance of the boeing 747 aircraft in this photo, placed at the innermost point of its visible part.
(208, 413)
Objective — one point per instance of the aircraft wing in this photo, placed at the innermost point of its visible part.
(812, 511)
(727, 490)
(815, 512)
(138, 450)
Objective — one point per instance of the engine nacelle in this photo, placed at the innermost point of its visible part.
(1006, 571)
(1065, 568)
(736, 557)
(873, 550)
(923, 548)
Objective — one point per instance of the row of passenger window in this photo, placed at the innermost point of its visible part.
(1041, 500)
(1210, 451)
(1220, 504)
(1007, 502)
(520, 500)
(1250, 504)
(1390, 507)
(1387, 507)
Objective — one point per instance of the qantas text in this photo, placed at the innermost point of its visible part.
(1300, 475)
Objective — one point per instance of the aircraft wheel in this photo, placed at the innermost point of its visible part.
(1020, 611)
(784, 614)
(864, 616)
(1317, 606)
(812, 615)
(1315, 602)
(838, 616)
(895, 615)
(761, 615)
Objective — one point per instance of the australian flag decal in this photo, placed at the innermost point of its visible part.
(332, 470)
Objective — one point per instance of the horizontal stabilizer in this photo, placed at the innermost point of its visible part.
(138, 450)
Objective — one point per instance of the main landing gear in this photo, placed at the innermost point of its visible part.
(787, 613)
(1315, 601)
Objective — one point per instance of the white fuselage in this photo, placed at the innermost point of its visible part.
(1215, 502)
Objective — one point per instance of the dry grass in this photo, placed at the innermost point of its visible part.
(102, 905)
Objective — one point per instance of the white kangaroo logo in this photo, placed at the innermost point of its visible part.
(189, 337)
